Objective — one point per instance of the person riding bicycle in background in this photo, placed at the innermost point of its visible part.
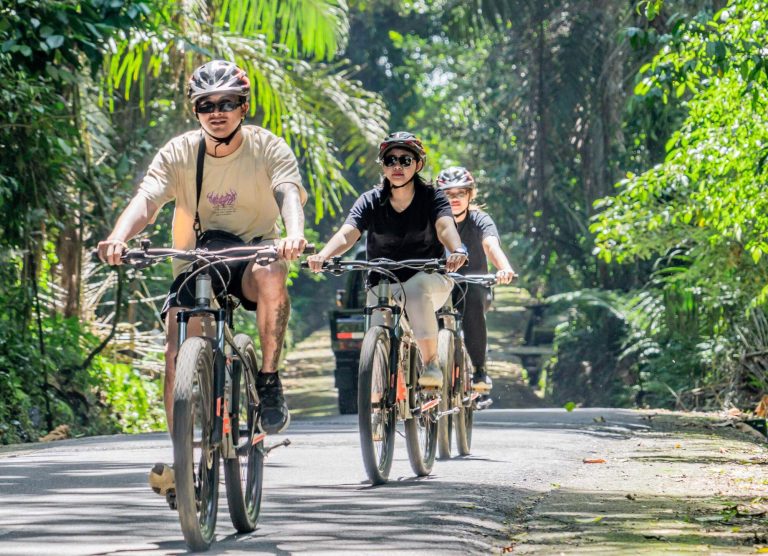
(481, 238)
(230, 183)
(405, 218)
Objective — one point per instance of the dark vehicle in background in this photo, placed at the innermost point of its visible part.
(347, 330)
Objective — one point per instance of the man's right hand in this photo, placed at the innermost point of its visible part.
(110, 251)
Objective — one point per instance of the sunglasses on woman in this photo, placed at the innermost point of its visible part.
(403, 160)
(223, 106)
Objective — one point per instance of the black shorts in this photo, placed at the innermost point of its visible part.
(225, 277)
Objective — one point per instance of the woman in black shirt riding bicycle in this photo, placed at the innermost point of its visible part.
(481, 238)
(405, 218)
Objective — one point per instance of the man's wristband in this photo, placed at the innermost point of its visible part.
(460, 251)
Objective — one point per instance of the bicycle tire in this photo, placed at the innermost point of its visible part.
(196, 463)
(421, 430)
(244, 474)
(465, 417)
(445, 354)
(377, 440)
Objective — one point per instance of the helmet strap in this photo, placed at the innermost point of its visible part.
(223, 140)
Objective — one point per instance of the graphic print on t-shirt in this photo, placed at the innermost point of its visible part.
(222, 203)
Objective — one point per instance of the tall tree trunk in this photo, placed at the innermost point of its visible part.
(536, 178)
(68, 250)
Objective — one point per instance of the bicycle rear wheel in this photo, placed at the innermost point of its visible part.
(421, 429)
(376, 419)
(445, 354)
(465, 417)
(244, 474)
(195, 459)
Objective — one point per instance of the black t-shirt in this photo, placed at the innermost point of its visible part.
(473, 230)
(409, 234)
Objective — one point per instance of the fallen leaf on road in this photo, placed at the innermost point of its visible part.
(600, 419)
(762, 550)
(631, 496)
(595, 460)
(678, 446)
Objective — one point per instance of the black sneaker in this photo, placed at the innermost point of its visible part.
(273, 412)
(482, 383)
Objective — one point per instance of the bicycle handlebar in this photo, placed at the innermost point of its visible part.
(336, 265)
(146, 256)
(487, 280)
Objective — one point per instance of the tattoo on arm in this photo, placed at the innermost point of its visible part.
(289, 202)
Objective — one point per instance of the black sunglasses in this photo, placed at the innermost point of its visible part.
(223, 106)
(404, 160)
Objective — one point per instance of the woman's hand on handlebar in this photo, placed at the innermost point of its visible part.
(455, 261)
(505, 275)
(111, 251)
(315, 262)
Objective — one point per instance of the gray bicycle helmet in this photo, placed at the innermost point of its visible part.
(455, 177)
(218, 77)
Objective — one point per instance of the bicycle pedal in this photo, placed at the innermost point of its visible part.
(484, 404)
(285, 442)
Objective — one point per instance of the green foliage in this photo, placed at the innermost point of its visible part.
(706, 201)
(587, 367)
(135, 402)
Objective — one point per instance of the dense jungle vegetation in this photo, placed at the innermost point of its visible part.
(620, 146)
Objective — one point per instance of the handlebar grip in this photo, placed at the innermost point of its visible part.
(309, 250)
(94, 255)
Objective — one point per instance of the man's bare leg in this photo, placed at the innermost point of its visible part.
(266, 285)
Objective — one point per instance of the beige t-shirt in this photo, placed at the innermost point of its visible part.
(238, 190)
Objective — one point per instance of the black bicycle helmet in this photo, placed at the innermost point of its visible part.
(455, 177)
(404, 140)
(218, 77)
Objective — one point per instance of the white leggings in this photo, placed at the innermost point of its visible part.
(424, 294)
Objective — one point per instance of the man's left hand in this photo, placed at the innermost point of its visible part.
(291, 247)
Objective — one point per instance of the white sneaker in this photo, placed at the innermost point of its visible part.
(432, 376)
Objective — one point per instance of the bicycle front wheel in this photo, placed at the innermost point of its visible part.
(465, 417)
(244, 474)
(421, 428)
(377, 420)
(195, 459)
(445, 354)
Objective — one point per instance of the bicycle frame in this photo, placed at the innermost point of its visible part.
(400, 348)
(224, 346)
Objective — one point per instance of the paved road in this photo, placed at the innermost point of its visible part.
(89, 496)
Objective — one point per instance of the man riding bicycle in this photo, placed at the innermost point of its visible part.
(230, 184)
(479, 234)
